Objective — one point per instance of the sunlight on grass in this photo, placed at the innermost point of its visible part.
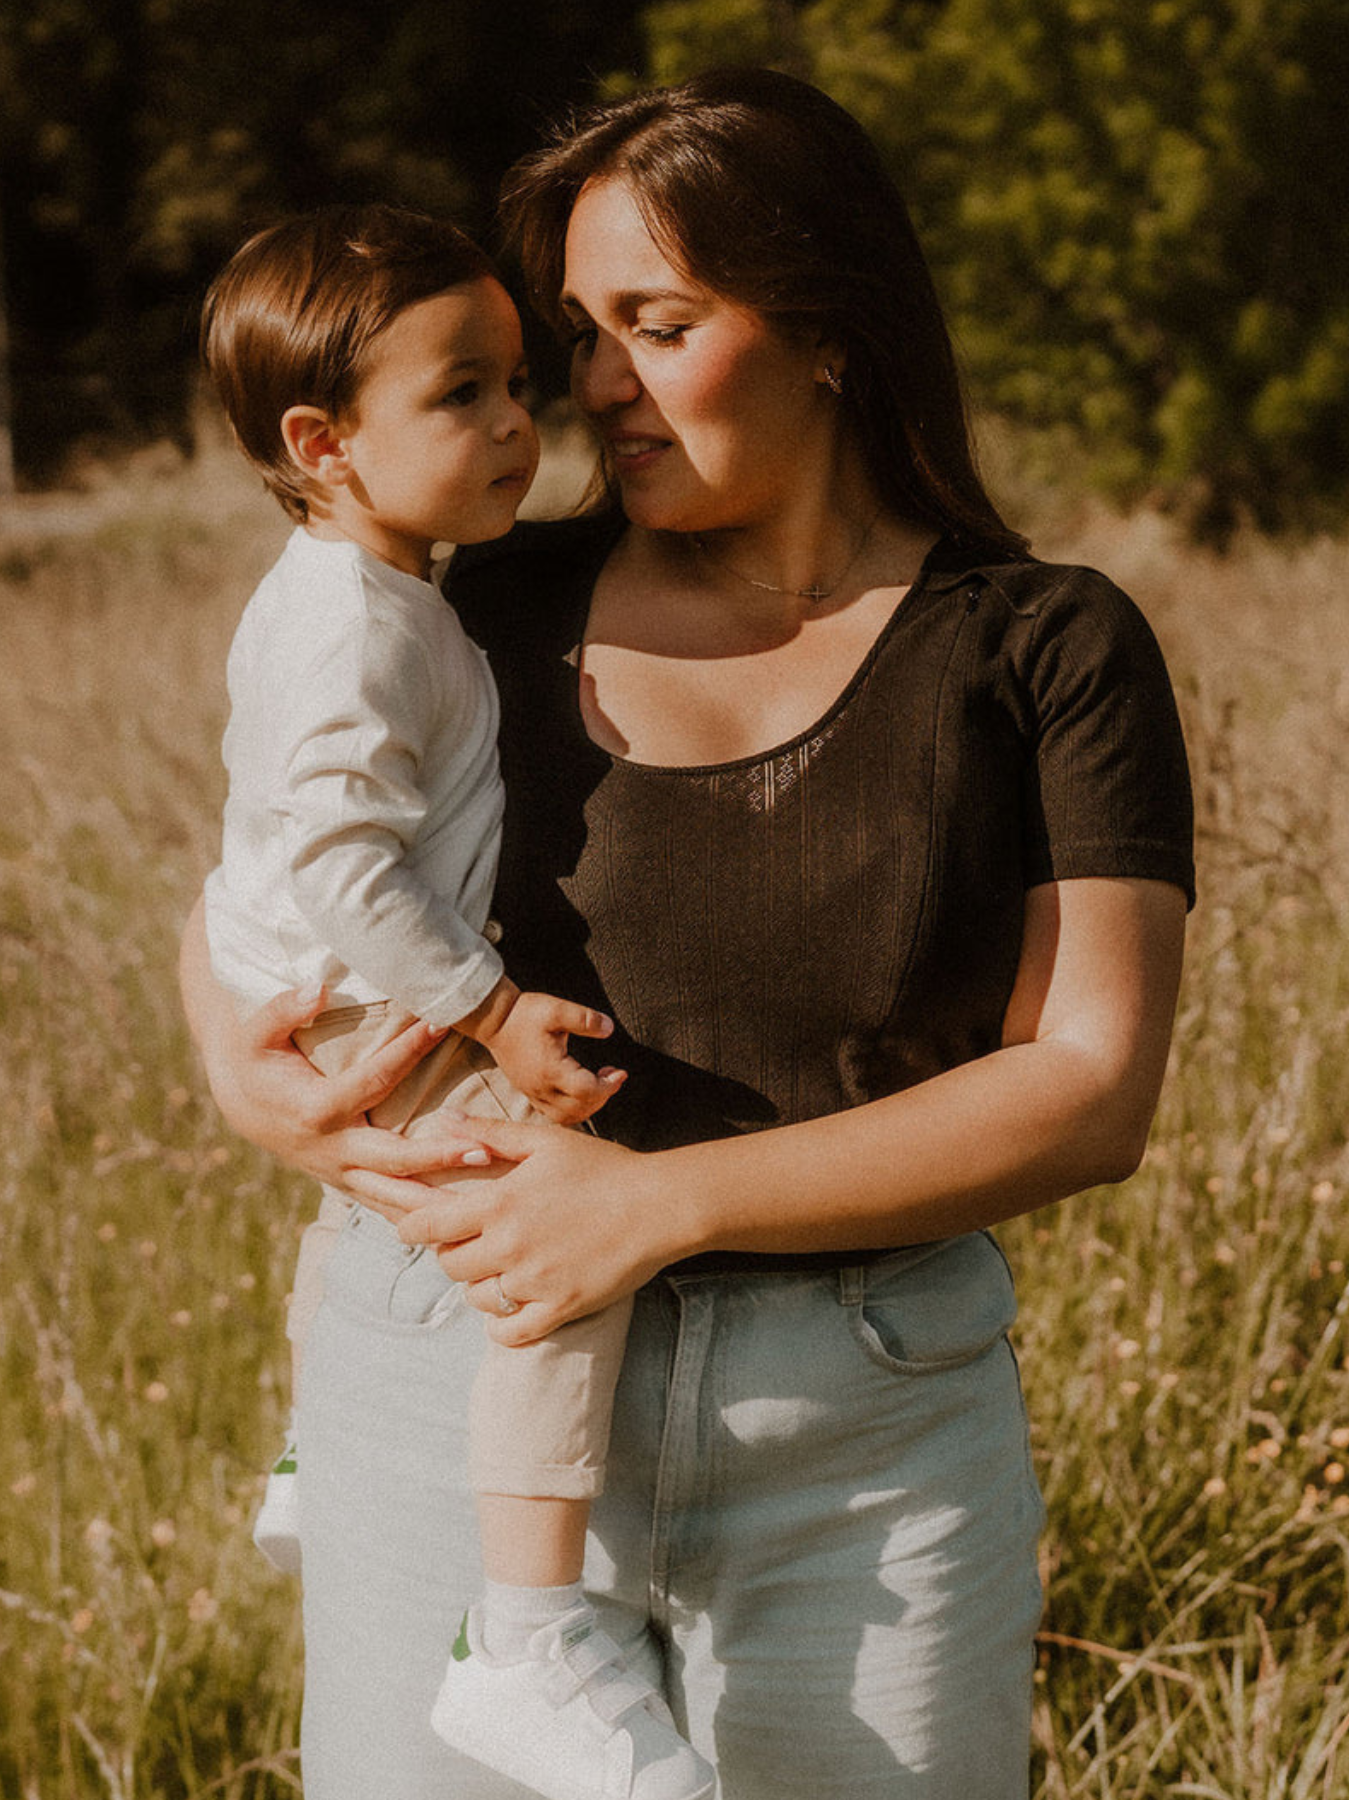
(1183, 1339)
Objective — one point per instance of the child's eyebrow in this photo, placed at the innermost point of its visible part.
(472, 365)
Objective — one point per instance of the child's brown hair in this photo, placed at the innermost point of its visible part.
(290, 319)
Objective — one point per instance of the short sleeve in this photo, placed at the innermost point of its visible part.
(1107, 781)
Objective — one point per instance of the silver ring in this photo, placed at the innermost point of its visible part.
(505, 1305)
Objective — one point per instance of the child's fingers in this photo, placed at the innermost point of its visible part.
(581, 1021)
(579, 1094)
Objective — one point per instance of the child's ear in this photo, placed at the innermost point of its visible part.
(316, 445)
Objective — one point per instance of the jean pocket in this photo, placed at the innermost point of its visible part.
(397, 1287)
(940, 1312)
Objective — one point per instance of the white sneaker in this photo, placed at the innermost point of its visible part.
(276, 1530)
(573, 1722)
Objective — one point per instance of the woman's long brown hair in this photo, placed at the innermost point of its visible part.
(764, 190)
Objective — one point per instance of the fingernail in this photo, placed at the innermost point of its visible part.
(475, 1159)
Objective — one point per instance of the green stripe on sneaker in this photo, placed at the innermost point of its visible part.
(461, 1650)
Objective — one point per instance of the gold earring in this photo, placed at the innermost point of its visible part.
(832, 381)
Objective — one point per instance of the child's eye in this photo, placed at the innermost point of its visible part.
(518, 386)
(581, 337)
(463, 395)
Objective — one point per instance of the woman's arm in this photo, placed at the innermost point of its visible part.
(1064, 1104)
(274, 1097)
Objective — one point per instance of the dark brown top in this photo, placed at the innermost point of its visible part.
(796, 933)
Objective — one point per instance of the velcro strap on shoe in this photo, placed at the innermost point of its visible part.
(615, 1698)
(594, 1668)
(572, 1669)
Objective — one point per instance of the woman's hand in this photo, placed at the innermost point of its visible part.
(273, 1096)
(577, 1223)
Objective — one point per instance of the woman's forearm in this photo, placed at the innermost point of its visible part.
(1025, 1126)
(1064, 1105)
(583, 1221)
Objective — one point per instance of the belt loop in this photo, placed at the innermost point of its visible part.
(852, 1279)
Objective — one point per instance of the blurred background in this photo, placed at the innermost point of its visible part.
(1138, 212)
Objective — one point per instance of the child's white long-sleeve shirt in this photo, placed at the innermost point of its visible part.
(363, 822)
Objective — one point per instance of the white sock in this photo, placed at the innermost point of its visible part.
(511, 1615)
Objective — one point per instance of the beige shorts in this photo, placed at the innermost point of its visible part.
(539, 1415)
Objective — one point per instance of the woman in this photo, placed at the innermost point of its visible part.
(873, 834)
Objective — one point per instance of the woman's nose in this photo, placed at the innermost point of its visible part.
(603, 376)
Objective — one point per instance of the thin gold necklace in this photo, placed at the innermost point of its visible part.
(814, 592)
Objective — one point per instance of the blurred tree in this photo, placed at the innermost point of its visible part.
(1138, 211)
(1155, 199)
(68, 111)
(141, 139)
(6, 400)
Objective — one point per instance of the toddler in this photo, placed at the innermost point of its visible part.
(371, 367)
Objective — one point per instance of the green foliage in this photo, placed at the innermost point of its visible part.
(1138, 211)
(140, 140)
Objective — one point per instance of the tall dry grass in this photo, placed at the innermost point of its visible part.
(1183, 1338)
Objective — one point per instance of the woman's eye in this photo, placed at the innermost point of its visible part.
(662, 334)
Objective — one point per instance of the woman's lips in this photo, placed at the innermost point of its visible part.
(633, 450)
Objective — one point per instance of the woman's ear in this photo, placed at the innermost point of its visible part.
(316, 445)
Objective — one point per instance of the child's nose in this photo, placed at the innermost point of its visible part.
(516, 420)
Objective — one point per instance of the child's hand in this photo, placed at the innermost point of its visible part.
(527, 1039)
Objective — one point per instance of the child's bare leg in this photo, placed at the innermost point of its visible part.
(533, 1551)
(532, 1543)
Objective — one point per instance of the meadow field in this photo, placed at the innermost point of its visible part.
(1184, 1339)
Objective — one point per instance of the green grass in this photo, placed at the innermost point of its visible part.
(1183, 1339)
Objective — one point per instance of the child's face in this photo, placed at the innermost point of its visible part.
(441, 448)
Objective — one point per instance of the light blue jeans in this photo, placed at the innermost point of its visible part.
(818, 1533)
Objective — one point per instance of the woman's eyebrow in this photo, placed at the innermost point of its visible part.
(629, 300)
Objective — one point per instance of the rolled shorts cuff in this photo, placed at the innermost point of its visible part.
(535, 1481)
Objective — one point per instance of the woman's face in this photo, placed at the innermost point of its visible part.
(710, 416)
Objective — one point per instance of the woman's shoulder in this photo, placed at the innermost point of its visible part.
(1026, 585)
(1036, 609)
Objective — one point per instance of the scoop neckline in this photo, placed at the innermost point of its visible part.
(902, 609)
